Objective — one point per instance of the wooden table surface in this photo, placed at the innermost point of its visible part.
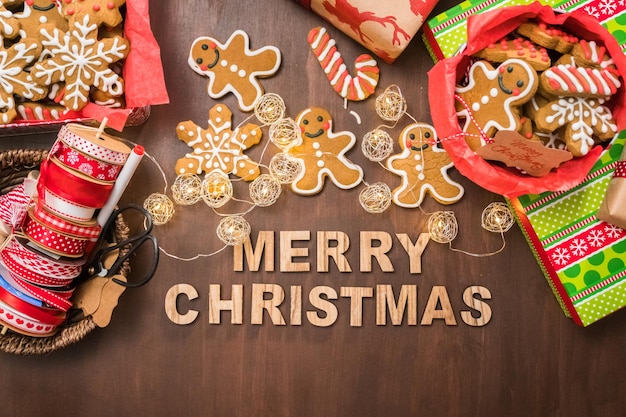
(529, 360)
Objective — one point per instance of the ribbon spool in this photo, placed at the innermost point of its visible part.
(95, 143)
(85, 164)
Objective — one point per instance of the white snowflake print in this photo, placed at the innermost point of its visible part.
(102, 166)
(578, 247)
(560, 256)
(596, 238)
(607, 7)
(86, 168)
(613, 231)
(113, 171)
(592, 11)
(79, 59)
(72, 157)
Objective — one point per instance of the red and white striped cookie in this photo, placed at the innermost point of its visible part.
(355, 88)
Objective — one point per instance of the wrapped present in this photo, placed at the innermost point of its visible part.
(484, 29)
(612, 207)
(446, 33)
(581, 256)
(385, 28)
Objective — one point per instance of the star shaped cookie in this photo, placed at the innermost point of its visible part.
(101, 11)
(233, 67)
(218, 148)
(321, 154)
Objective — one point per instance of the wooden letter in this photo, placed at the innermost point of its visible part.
(287, 252)
(483, 309)
(414, 251)
(324, 251)
(259, 303)
(407, 301)
(438, 296)
(264, 244)
(217, 305)
(367, 251)
(295, 314)
(171, 298)
(322, 304)
(356, 295)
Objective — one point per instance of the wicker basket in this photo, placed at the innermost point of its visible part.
(14, 167)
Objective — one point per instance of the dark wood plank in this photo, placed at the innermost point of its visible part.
(529, 360)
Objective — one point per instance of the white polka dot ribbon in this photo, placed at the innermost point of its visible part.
(98, 151)
(76, 160)
(620, 170)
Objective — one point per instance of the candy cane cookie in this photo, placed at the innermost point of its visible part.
(352, 88)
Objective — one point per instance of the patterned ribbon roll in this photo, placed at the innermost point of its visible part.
(57, 299)
(105, 148)
(87, 230)
(13, 206)
(72, 187)
(44, 265)
(53, 241)
(12, 265)
(9, 284)
(64, 208)
(76, 160)
(47, 316)
(620, 170)
(24, 324)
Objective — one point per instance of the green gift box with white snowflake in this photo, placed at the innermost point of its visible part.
(582, 257)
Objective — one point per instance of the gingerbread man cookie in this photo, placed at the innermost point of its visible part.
(80, 60)
(233, 67)
(491, 99)
(37, 13)
(218, 147)
(101, 11)
(423, 166)
(321, 154)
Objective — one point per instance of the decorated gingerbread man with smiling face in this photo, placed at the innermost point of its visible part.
(423, 166)
(491, 99)
(321, 154)
(233, 67)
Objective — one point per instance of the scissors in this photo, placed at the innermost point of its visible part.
(126, 247)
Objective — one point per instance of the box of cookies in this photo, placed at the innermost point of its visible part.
(77, 60)
(533, 99)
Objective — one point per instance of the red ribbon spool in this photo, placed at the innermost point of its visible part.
(53, 241)
(61, 269)
(73, 187)
(76, 160)
(48, 316)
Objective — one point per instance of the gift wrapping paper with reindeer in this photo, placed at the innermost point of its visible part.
(383, 27)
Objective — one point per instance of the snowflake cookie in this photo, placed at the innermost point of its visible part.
(233, 67)
(583, 120)
(80, 60)
(219, 148)
(15, 80)
(321, 154)
(423, 166)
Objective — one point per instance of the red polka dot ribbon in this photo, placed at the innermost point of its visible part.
(620, 170)
(53, 241)
(97, 150)
(100, 170)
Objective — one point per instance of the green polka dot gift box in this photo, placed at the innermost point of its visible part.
(446, 34)
(582, 257)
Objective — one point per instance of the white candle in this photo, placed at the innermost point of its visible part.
(120, 184)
